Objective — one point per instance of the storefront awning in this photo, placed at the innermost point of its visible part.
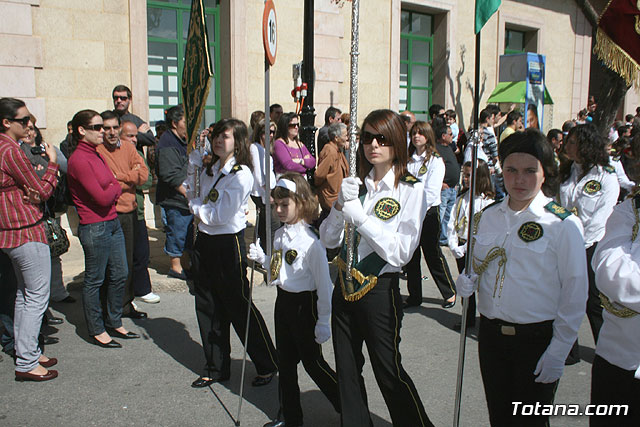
(513, 92)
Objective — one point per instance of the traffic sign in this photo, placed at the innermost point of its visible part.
(269, 31)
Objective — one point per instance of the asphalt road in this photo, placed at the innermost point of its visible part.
(148, 381)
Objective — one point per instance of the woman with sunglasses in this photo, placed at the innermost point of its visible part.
(387, 215)
(23, 238)
(259, 194)
(94, 191)
(289, 154)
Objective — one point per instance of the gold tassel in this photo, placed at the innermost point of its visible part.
(617, 59)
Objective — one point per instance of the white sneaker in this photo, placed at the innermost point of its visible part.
(149, 298)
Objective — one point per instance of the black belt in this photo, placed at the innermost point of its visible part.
(508, 328)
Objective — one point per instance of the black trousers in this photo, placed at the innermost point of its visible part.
(296, 315)
(594, 305)
(507, 363)
(141, 279)
(375, 319)
(612, 385)
(222, 297)
(430, 246)
(471, 308)
(127, 222)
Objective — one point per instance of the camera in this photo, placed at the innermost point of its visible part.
(38, 149)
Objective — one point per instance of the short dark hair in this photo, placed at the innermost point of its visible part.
(435, 109)
(9, 109)
(568, 125)
(331, 112)
(484, 115)
(493, 109)
(553, 133)
(110, 115)
(450, 114)
(121, 88)
(628, 118)
(174, 115)
(273, 107)
(513, 117)
(440, 130)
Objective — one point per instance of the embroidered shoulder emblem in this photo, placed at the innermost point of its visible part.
(436, 154)
(290, 256)
(409, 179)
(592, 187)
(422, 170)
(557, 210)
(212, 196)
(236, 168)
(530, 231)
(609, 169)
(386, 208)
(276, 263)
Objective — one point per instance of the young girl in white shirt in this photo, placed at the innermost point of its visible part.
(459, 221)
(303, 308)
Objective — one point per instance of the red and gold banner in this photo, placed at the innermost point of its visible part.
(618, 39)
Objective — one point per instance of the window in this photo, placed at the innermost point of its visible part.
(167, 30)
(513, 42)
(416, 57)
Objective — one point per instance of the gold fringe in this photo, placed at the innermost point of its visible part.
(617, 59)
(356, 275)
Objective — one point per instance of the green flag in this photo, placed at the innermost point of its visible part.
(197, 72)
(484, 10)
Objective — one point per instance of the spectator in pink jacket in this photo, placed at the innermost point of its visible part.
(289, 154)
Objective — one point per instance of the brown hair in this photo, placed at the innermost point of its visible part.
(81, 118)
(424, 129)
(483, 180)
(241, 150)
(258, 130)
(391, 125)
(306, 201)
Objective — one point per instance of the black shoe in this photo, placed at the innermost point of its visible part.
(571, 360)
(110, 344)
(128, 336)
(275, 423)
(135, 314)
(448, 304)
(177, 275)
(409, 303)
(68, 300)
(53, 320)
(47, 340)
(202, 382)
(259, 381)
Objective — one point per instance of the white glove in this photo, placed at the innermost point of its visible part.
(323, 332)
(349, 190)
(549, 368)
(195, 158)
(256, 253)
(458, 251)
(466, 284)
(354, 212)
(194, 205)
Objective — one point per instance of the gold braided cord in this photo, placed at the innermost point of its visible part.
(622, 312)
(495, 253)
(634, 229)
(459, 224)
(356, 275)
(276, 264)
(616, 59)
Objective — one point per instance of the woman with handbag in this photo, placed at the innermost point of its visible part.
(23, 238)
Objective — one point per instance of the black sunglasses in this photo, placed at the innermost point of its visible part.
(367, 138)
(22, 120)
(117, 97)
(294, 125)
(96, 128)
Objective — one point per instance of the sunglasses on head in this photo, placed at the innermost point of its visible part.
(96, 128)
(367, 138)
(22, 120)
(118, 97)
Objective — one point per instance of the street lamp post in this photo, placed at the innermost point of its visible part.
(307, 115)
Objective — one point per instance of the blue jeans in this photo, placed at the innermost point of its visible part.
(179, 232)
(447, 200)
(103, 245)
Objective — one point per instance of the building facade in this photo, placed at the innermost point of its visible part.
(62, 56)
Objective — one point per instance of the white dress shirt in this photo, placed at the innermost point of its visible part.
(592, 207)
(623, 179)
(544, 279)
(431, 176)
(616, 263)
(309, 270)
(224, 214)
(395, 239)
(458, 226)
(468, 154)
(259, 177)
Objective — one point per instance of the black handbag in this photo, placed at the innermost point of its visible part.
(57, 237)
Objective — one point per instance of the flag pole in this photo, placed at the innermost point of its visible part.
(475, 140)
